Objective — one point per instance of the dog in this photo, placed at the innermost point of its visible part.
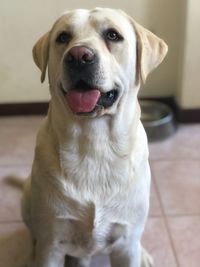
(88, 192)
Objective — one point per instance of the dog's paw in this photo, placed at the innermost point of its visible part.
(146, 259)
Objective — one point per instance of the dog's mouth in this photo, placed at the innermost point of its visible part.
(85, 99)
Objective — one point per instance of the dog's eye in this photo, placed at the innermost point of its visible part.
(63, 38)
(113, 35)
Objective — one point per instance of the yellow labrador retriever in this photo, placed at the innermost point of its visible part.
(88, 192)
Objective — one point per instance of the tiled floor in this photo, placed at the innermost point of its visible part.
(172, 233)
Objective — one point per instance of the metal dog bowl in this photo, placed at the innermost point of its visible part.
(158, 120)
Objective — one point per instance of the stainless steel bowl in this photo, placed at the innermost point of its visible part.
(158, 120)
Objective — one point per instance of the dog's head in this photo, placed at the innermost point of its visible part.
(95, 58)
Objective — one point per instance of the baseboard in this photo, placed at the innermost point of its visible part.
(188, 115)
(23, 109)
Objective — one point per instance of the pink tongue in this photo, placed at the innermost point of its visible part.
(82, 101)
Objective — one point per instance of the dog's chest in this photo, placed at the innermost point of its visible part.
(91, 163)
(95, 183)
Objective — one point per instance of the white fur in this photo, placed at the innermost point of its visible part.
(88, 192)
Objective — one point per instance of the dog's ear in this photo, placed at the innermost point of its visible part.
(151, 51)
(41, 54)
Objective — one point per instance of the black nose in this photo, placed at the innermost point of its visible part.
(80, 56)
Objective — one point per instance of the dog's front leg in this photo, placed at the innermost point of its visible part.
(130, 255)
(46, 255)
(126, 254)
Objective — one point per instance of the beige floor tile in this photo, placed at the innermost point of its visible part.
(183, 145)
(15, 245)
(157, 243)
(10, 195)
(17, 139)
(185, 233)
(179, 186)
(17, 121)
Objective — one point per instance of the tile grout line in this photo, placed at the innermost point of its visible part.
(182, 215)
(173, 159)
(165, 221)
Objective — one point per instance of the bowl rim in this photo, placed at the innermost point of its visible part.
(164, 120)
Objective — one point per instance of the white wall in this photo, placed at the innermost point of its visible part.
(164, 19)
(22, 22)
(188, 93)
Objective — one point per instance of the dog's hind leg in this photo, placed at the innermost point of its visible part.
(77, 262)
(45, 255)
(26, 202)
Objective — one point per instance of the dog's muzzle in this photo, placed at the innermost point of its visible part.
(84, 96)
(81, 63)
